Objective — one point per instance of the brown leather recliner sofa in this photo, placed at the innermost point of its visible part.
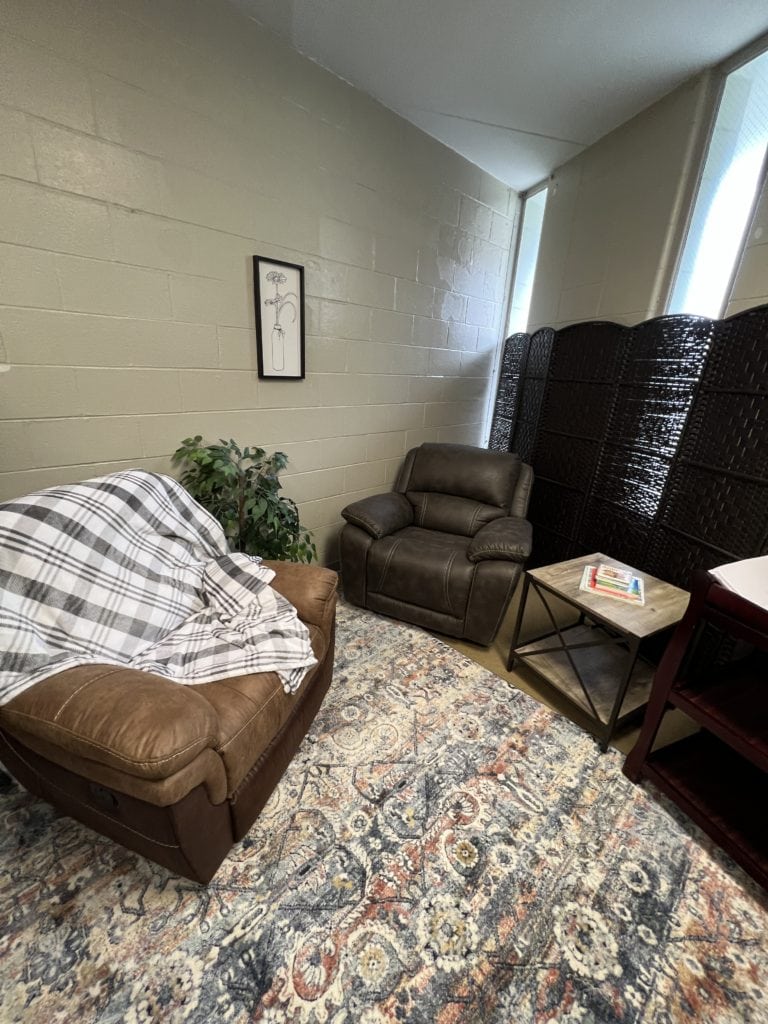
(446, 547)
(175, 772)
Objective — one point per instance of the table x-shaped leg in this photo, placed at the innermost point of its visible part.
(566, 648)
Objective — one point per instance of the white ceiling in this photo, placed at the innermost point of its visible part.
(516, 86)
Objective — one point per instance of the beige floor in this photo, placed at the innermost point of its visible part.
(674, 726)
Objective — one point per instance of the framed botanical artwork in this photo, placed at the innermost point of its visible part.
(279, 290)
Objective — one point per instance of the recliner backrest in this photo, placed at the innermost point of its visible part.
(458, 488)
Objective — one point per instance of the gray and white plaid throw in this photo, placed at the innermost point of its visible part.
(129, 569)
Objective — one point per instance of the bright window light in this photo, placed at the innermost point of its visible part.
(726, 196)
(527, 254)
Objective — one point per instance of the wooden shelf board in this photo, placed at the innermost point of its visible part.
(735, 707)
(722, 792)
(601, 668)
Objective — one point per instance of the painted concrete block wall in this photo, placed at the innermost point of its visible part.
(615, 213)
(147, 150)
(750, 286)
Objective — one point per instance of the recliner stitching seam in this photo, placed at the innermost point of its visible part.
(225, 684)
(505, 603)
(475, 514)
(385, 568)
(469, 595)
(446, 593)
(104, 675)
(246, 724)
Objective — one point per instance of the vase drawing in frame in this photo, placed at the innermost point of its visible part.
(279, 294)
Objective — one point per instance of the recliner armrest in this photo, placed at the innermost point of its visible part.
(136, 722)
(381, 514)
(508, 539)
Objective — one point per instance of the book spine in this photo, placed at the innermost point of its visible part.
(633, 597)
(611, 585)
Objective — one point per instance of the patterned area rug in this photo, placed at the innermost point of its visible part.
(442, 850)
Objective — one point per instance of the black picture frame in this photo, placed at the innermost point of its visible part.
(279, 290)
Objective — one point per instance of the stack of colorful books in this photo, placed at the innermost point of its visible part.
(611, 581)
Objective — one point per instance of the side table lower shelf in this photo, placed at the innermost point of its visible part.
(725, 794)
(603, 665)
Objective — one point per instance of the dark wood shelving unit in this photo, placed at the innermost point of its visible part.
(718, 777)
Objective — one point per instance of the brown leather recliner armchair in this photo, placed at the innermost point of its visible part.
(446, 547)
(176, 773)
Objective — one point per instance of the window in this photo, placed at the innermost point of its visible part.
(527, 254)
(730, 180)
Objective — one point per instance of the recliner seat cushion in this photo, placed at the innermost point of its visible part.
(424, 567)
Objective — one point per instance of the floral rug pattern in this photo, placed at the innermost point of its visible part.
(442, 850)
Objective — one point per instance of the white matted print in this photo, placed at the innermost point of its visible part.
(279, 290)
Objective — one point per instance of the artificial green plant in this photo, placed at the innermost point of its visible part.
(240, 488)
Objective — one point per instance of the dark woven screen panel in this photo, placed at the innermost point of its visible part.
(531, 394)
(662, 361)
(581, 376)
(715, 504)
(511, 373)
(648, 443)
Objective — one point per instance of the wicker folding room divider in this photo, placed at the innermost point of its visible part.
(649, 443)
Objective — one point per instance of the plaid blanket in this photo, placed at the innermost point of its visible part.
(129, 570)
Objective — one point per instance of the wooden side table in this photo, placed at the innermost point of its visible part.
(595, 662)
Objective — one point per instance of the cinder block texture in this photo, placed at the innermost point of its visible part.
(614, 218)
(147, 152)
